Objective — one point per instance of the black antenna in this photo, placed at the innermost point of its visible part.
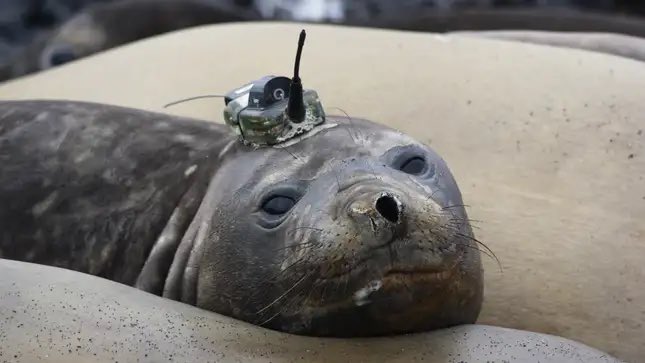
(296, 107)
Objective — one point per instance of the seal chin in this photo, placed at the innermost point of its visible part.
(376, 298)
(399, 301)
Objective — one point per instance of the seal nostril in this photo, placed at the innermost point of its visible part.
(388, 207)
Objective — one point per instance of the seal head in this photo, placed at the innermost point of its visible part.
(358, 231)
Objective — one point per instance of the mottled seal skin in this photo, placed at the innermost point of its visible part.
(354, 229)
(92, 187)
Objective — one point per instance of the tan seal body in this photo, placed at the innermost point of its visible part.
(617, 44)
(55, 315)
(107, 25)
(546, 142)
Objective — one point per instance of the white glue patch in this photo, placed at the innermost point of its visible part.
(360, 296)
(307, 135)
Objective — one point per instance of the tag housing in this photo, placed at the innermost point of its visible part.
(258, 113)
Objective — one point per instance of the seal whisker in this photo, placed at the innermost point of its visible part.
(499, 265)
(270, 318)
(351, 124)
(191, 99)
(475, 247)
(431, 195)
(286, 269)
(487, 250)
(458, 220)
(281, 309)
(354, 138)
(471, 238)
(304, 298)
(455, 206)
(294, 264)
(469, 220)
(289, 303)
(283, 294)
(290, 153)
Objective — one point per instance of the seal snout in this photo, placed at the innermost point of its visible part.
(377, 216)
(385, 208)
(380, 211)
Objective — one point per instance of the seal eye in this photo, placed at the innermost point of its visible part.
(61, 56)
(278, 205)
(57, 55)
(415, 166)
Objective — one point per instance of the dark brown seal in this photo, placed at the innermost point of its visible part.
(353, 229)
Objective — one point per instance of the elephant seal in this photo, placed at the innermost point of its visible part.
(55, 315)
(101, 26)
(352, 229)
